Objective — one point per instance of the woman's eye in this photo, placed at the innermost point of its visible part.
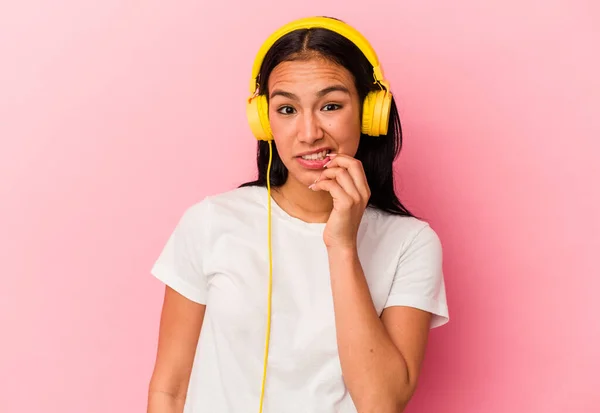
(286, 110)
(331, 106)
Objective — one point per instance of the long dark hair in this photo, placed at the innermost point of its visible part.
(377, 154)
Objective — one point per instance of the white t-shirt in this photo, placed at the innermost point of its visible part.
(218, 256)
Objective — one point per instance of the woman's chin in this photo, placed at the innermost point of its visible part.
(305, 178)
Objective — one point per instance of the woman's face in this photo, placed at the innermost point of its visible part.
(314, 109)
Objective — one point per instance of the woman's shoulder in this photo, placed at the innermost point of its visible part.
(399, 228)
(240, 198)
(237, 201)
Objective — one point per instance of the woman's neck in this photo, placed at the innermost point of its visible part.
(303, 203)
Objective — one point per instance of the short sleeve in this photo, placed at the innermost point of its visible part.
(180, 263)
(419, 279)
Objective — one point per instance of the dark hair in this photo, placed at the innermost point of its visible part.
(377, 154)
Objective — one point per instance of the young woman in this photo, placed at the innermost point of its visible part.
(313, 292)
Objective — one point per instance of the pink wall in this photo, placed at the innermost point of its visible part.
(117, 115)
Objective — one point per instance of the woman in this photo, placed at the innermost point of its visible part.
(357, 280)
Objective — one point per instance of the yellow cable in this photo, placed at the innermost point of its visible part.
(262, 392)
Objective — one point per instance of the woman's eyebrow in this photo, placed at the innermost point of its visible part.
(334, 88)
(279, 92)
(320, 93)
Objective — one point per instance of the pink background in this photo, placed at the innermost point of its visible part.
(117, 115)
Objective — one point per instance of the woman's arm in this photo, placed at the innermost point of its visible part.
(380, 357)
(180, 325)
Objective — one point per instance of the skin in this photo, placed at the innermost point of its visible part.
(179, 330)
(381, 357)
(303, 120)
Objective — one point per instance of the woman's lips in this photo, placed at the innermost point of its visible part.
(313, 163)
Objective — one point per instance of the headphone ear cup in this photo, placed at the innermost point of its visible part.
(257, 112)
(367, 115)
(376, 113)
(385, 104)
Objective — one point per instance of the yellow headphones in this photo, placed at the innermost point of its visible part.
(376, 106)
(375, 119)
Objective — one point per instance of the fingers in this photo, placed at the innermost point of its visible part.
(344, 180)
(355, 170)
(340, 197)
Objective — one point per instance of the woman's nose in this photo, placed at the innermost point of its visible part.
(309, 129)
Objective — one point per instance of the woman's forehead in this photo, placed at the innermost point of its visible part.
(320, 73)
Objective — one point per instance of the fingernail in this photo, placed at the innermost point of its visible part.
(311, 186)
(331, 155)
(325, 166)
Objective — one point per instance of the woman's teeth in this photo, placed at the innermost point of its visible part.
(316, 156)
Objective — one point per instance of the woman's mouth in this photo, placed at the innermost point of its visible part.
(319, 156)
(315, 160)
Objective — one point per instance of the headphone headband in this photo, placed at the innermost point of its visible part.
(322, 22)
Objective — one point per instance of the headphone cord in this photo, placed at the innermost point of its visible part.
(262, 391)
